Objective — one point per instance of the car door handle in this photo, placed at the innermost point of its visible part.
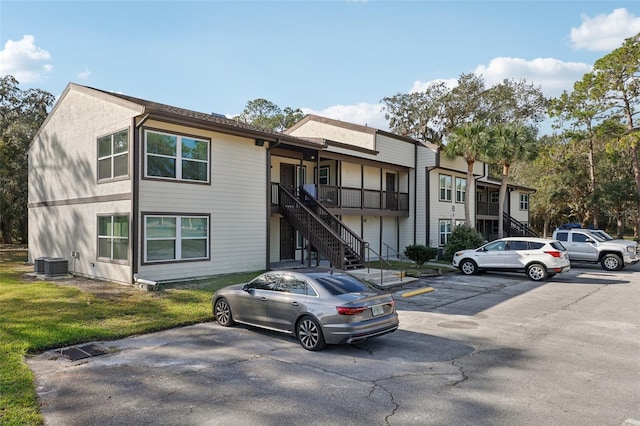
(263, 299)
(295, 304)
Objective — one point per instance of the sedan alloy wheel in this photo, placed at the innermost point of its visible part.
(309, 334)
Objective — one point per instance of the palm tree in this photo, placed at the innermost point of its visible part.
(471, 141)
(511, 143)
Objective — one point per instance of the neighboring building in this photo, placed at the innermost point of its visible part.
(129, 189)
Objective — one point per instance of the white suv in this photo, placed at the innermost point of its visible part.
(539, 258)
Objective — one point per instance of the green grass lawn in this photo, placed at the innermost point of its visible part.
(38, 315)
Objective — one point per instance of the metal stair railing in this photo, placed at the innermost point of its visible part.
(515, 228)
(382, 263)
(320, 235)
(353, 241)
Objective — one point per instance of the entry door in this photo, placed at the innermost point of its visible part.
(288, 176)
(392, 197)
(287, 240)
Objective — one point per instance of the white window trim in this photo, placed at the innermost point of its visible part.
(524, 202)
(112, 155)
(446, 234)
(448, 189)
(112, 238)
(178, 238)
(178, 157)
(461, 194)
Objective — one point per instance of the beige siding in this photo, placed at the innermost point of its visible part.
(315, 129)
(515, 212)
(236, 201)
(395, 151)
(63, 158)
(57, 231)
(63, 173)
(351, 176)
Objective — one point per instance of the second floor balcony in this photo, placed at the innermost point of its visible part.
(365, 200)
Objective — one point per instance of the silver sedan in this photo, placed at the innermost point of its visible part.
(318, 306)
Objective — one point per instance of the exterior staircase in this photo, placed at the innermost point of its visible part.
(325, 232)
(513, 228)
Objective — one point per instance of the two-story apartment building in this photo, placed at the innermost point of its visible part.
(127, 189)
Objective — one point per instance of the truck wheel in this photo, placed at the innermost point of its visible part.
(611, 262)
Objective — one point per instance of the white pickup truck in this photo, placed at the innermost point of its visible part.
(593, 246)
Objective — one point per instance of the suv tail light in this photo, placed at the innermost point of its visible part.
(554, 253)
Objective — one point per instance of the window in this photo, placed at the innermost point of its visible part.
(113, 155)
(445, 187)
(176, 157)
(301, 171)
(113, 237)
(291, 284)
(495, 197)
(266, 281)
(444, 226)
(562, 236)
(173, 238)
(524, 201)
(461, 189)
(323, 175)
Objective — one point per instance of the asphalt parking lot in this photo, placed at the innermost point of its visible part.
(488, 349)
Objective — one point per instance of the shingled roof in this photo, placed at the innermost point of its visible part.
(213, 121)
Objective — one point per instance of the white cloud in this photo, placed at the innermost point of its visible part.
(605, 32)
(421, 86)
(552, 75)
(84, 75)
(363, 113)
(24, 60)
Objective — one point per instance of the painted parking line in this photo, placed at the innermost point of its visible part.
(417, 292)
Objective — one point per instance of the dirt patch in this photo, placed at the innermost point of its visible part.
(101, 289)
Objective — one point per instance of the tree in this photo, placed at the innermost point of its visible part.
(462, 237)
(21, 114)
(268, 116)
(617, 77)
(471, 141)
(512, 143)
(432, 114)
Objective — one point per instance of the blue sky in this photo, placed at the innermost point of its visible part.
(333, 58)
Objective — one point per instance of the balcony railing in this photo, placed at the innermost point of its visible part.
(488, 209)
(356, 198)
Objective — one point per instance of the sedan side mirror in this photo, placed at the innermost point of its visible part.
(246, 288)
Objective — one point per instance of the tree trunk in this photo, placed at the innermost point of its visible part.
(501, 198)
(6, 231)
(620, 223)
(636, 173)
(471, 187)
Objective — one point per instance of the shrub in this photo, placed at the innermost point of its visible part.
(420, 253)
(463, 237)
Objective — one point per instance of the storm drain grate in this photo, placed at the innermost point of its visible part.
(81, 352)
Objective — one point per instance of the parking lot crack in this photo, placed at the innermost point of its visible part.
(462, 373)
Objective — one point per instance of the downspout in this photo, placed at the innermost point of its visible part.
(485, 171)
(415, 192)
(135, 197)
(269, 201)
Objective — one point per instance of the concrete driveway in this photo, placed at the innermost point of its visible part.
(488, 349)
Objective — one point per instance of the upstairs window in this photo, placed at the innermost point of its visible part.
(176, 157)
(445, 187)
(524, 201)
(113, 155)
(461, 189)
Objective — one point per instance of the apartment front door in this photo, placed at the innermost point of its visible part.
(287, 240)
(392, 196)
